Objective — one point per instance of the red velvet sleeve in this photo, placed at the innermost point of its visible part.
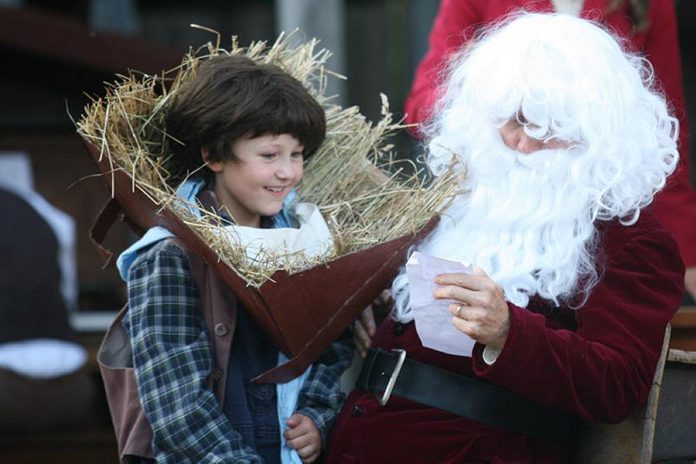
(676, 205)
(455, 21)
(604, 370)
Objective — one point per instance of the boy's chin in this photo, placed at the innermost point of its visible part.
(271, 210)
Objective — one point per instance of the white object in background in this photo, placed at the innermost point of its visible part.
(16, 172)
(16, 175)
(43, 358)
(432, 317)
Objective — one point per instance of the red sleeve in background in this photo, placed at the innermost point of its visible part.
(675, 206)
(455, 21)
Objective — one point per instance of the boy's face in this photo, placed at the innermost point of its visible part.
(255, 184)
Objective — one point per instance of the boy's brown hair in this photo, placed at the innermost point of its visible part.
(232, 97)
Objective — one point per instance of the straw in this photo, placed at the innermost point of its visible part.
(355, 177)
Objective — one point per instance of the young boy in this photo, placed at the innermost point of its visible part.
(252, 125)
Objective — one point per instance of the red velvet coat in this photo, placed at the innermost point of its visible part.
(597, 362)
(458, 20)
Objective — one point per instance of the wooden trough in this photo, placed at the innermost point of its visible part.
(302, 313)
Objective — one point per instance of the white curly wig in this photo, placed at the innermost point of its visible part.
(529, 220)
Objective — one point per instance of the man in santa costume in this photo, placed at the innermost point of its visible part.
(562, 143)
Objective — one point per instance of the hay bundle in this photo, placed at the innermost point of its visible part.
(353, 178)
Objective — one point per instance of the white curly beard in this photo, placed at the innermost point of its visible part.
(524, 222)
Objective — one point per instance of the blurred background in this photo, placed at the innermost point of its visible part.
(55, 54)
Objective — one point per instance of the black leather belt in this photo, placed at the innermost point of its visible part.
(385, 373)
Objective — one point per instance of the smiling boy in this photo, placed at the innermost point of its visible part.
(252, 125)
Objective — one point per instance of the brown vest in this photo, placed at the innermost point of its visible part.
(219, 307)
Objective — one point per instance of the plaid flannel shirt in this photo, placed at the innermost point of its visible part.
(172, 358)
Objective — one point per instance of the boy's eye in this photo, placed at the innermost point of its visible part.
(297, 155)
(268, 156)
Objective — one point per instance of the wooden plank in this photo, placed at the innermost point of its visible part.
(685, 357)
(684, 329)
(675, 427)
(651, 408)
(685, 317)
(68, 41)
(630, 441)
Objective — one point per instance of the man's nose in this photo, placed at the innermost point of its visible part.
(526, 144)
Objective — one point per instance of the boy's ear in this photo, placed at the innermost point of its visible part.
(215, 166)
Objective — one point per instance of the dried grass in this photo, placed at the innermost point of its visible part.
(354, 177)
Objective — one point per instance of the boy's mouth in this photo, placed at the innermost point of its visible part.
(275, 190)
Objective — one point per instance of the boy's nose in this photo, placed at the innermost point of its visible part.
(283, 170)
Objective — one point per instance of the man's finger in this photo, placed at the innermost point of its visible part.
(467, 327)
(460, 279)
(363, 340)
(386, 297)
(367, 319)
(456, 294)
(459, 310)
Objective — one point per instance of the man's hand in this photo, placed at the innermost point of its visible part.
(364, 327)
(303, 436)
(690, 281)
(480, 309)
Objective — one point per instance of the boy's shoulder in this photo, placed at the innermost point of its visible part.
(163, 253)
(169, 246)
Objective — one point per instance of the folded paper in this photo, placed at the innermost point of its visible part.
(432, 317)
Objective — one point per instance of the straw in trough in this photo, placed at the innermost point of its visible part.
(354, 177)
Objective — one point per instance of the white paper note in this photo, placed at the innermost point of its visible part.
(433, 319)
